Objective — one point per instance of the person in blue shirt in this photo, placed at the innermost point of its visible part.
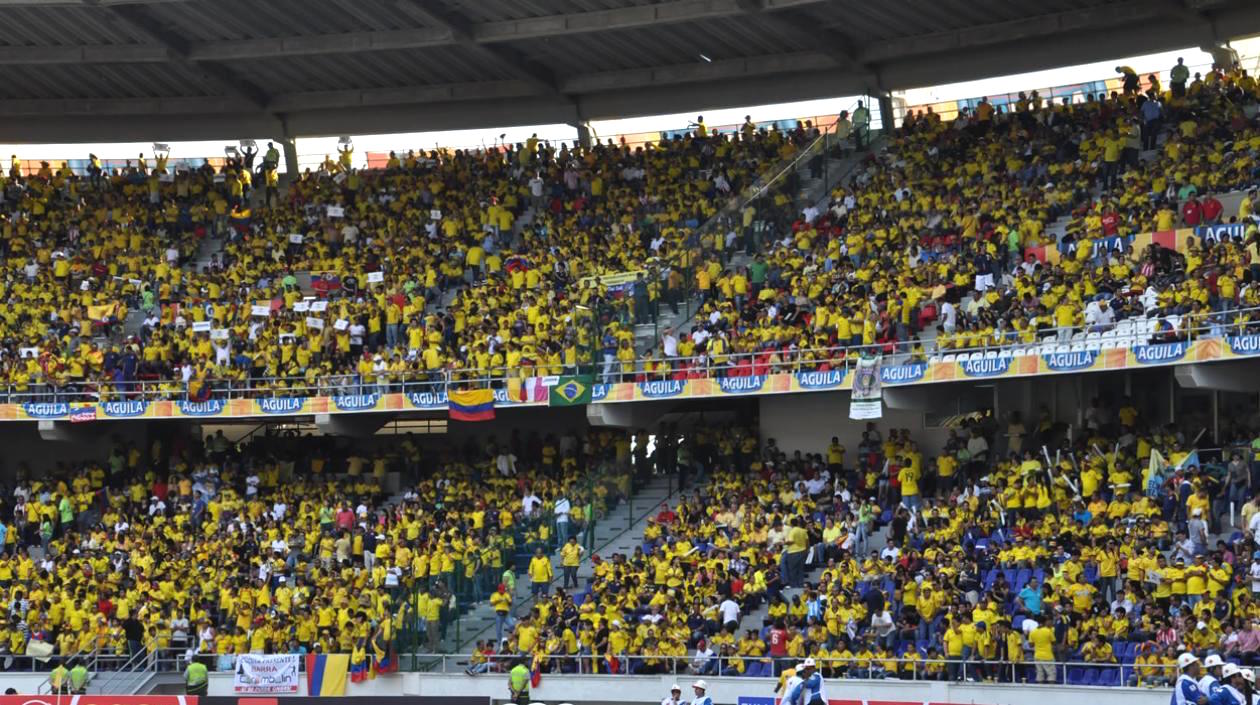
(701, 699)
(1210, 683)
(1030, 596)
(813, 682)
(1231, 690)
(1186, 689)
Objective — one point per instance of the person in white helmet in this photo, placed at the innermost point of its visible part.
(1232, 686)
(675, 695)
(813, 694)
(701, 699)
(1249, 687)
(1186, 689)
(1210, 683)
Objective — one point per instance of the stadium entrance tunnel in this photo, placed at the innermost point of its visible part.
(1221, 376)
(72, 432)
(350, 425)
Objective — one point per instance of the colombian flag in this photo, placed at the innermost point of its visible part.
(326, 674)
(387, 663)
(535, 672)
(471, 405)
(361, 667)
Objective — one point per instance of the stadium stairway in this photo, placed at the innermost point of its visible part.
(757, 618)
(619, 532)
(817, 191)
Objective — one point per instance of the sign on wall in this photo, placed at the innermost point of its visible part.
(266, 674)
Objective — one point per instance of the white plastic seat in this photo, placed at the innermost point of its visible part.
(949, 358)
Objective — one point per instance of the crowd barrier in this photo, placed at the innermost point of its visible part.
(1095, 355)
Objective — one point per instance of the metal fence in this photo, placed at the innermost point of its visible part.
(1126, 334)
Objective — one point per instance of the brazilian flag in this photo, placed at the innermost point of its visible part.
(571, 391)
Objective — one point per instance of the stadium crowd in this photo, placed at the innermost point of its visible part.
(284, 544)
(1013, 550)
(938, 242)
(422, 270)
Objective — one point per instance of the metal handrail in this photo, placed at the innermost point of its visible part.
(93, 656)
(146, 659)
(445, 379)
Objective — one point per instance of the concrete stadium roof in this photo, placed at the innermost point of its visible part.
(90, 70)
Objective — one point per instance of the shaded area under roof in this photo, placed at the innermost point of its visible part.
(92, 70)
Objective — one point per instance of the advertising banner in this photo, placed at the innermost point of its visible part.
(266, 674)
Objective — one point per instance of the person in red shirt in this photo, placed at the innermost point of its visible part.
(778, 646)
(1110, 223)
(1211, 210)
(1192, 212)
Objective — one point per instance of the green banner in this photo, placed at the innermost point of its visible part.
(571, 391)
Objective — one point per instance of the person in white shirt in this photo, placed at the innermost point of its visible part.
(675, 696)
(562, 518)
(505, 463)
(730, 611)
(949, 317)
(669, 343)
(530, 503)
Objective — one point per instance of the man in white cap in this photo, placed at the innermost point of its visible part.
(1249, 686)
(1186, 689)
(1233, 686)
(813, 683)
(675, 696)
(1210, 683)
(701, 699)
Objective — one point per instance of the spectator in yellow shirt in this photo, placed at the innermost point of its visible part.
(540, 573)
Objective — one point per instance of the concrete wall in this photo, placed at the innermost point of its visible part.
(22, 444)
(724, 691)
(806, 422)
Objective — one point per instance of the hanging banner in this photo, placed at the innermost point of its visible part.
(867, 400)
(266, 674)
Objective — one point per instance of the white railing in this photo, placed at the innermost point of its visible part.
(1128, 334)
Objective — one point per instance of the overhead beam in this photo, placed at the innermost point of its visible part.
(511, 60)
(92, 54)
(697, 72)
(1040, 28)
(139, 18)
(545, 27)
(826, 41)
(479, 90)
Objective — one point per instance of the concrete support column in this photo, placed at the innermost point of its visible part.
(1222, 55)
(289, 145)
(584, 135)
(886, 118)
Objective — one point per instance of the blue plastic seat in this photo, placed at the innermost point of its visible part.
(1075, 675)
(1109, 677)
(1091, 677)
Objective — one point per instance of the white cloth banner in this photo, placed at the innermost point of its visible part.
(867, 398)
(266, 674)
